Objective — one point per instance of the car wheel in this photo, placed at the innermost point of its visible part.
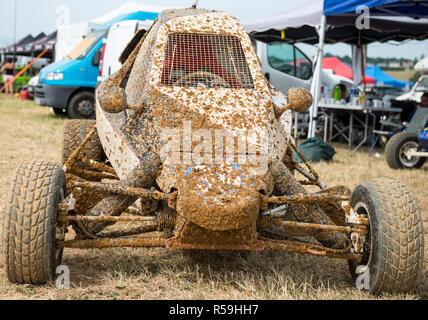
(82, 106)
(396, 150)
(30, 227)
(394, 246)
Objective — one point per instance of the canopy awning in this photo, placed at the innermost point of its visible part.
(25, 48)
(341, 69)
(383, 78)
(10, 48)
(301, 25)
(332, 21)
(407, 8)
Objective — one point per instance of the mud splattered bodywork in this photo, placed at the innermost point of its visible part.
(193, 130)
(191, 149)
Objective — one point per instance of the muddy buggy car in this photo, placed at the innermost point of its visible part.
(407, 150)
(191, 149)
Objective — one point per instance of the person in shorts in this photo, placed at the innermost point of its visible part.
(8, 71)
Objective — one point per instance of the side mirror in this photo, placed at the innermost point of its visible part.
(112, 99)
(96, 59)
(298, 99)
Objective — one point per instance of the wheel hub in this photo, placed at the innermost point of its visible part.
(405, 157)
(86, 108)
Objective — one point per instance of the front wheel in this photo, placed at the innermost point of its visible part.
(30, 227)
(397, 150)
(82, 106)
(394, 247)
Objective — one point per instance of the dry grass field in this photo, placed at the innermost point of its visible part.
(401, 75)
(29, 132)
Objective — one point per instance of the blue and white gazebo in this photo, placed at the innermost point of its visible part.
(333, 21)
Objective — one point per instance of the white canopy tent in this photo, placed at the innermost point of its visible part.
(422, 66)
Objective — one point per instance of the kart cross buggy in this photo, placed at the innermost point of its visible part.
(192, 149)
(407, 150)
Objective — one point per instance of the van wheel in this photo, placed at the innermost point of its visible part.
(397, 147)
(82, 106)
(394, 247)
(30, 227)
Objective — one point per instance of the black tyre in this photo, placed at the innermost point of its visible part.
(82, 106)
(394, 247)
(397, 147)
(75, 131)
(30, 223)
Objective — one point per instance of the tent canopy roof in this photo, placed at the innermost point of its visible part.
(408, 8)
(341, 69)
(382, 77)
(300, 25)
(126, 8)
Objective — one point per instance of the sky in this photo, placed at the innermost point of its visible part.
(35, 16)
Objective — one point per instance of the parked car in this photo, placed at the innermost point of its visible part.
(32, 86)
(287, 66)
(68, 86)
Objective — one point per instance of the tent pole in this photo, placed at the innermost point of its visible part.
(363, 67)
(316, 81)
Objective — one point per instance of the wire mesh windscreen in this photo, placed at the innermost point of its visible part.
(205, 61)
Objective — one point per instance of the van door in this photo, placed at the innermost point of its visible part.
(118, 36)
(285, 66)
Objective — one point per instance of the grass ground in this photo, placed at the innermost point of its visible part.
(29, 132)
(404, 75)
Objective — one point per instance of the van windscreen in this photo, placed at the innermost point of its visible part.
(85, 46)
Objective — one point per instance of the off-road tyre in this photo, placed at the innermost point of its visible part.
(82, 106)
(395, 244)
(75, 131)
(30, 220)
(393, 149)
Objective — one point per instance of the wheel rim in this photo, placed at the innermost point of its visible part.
(85, 108)
(361, 208)
(404, 159)
(59, 232)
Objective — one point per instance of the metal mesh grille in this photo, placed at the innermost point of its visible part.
(205, 61)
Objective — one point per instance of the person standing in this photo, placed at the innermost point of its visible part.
(8, 70)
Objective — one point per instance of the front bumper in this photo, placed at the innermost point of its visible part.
(53, 96)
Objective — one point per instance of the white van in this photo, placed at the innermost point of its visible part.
(118, 36)
(287, 66)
